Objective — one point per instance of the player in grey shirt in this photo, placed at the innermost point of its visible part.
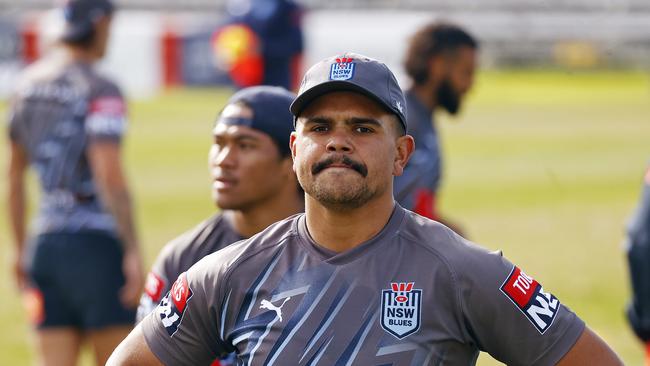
(80, 268)
(440, 60)
(253, 184)
(357, 280)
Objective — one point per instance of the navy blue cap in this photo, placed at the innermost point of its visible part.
(270, 106)
(81, 15)
(352, 72)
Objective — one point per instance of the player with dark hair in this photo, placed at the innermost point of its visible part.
(638, 255)
(253, 184)
(357, 279)
(440, 61)
(81, 270)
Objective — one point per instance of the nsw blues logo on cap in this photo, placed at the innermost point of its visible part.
(342, 69)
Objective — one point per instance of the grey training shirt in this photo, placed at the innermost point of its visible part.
(180, 254)
(58, 110)
(415, 294)
(421, 177)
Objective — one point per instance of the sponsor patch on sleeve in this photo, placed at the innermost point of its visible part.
(529, 296)
(173, 305)
(106, 117)
(154, 286)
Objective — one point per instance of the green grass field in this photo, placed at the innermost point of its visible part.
(545, 165)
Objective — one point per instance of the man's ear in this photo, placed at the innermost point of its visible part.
(292, 146)
(404, 147)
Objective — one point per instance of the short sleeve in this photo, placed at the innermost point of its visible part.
(166, 268)
(512, 316)
(155, 287)
(107, 115)
(182, 330)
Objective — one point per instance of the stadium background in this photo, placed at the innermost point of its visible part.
(545, 163)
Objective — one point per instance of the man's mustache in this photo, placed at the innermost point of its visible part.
(339, 159)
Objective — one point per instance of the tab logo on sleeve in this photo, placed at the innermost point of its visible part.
(173, 306)
(529, 296)
(106, 116)
(154, 286)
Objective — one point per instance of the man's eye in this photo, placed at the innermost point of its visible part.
(362, 129)
(246, 146)
(319, 128)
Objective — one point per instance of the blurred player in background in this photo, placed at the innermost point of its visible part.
(253, 185)
(357, 279)
(440, 61)
(81, 271)
(638, 254)
(261, 43)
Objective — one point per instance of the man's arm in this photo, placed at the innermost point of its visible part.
(133, 351)
(17, 211)
(590, 349)
(105, 160)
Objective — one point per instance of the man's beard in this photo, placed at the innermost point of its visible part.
(339, 196)
(448, 98)
(349, 197)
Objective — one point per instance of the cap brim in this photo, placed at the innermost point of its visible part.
(73, 33)
(308, 96)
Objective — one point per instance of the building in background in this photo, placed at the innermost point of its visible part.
(169, 42)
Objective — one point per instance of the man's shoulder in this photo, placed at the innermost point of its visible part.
(207, 234)
(443, 242)
(257, 249)
(74, 79)
(102, 86)
(40, 72)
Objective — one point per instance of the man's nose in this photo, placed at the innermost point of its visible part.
(222, 157)
(339, 141)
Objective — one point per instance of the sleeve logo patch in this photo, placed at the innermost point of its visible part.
(529, 296)
(173, 305)
(154, 286)
(114, 106)
(106, 116)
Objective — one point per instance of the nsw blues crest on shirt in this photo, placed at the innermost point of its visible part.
(400, 309)
(342, 69)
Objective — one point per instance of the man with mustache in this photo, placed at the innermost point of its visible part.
(253, 184)
(440, 61)
(357, 279)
